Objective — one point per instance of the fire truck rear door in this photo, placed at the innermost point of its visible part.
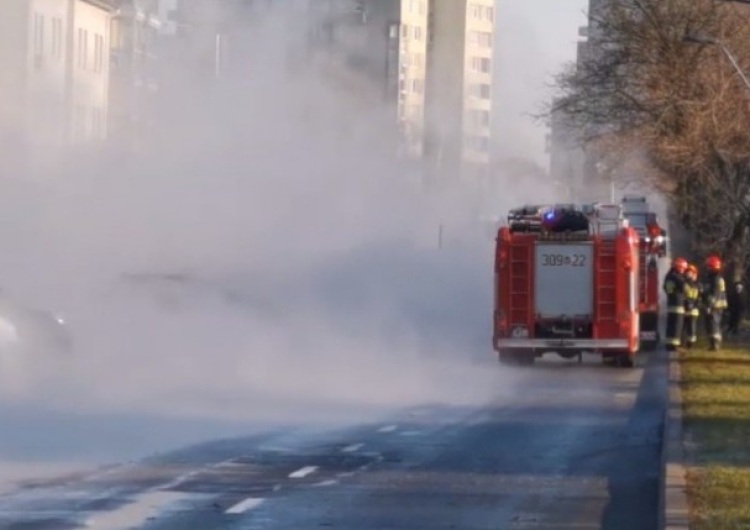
(564, 284)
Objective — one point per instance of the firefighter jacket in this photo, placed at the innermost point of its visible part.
(674, 287)
(693, 291)
(715, 292)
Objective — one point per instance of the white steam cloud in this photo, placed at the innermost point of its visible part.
(266, 258)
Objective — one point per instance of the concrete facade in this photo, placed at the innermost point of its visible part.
(54, 82)
(570, 166)
(437, 59)
(459, 87)
(89, 63)
(384, 41)
(133, 75)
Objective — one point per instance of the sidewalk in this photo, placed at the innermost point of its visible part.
(714, 388)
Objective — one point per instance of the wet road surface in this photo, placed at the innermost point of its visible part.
(570, 447)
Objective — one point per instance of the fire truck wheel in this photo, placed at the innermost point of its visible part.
(507, 357)
(526, 359)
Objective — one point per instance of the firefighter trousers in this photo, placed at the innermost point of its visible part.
(713, 328)
(691, 328)
(675, 322)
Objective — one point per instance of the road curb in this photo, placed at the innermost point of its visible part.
(673, 505)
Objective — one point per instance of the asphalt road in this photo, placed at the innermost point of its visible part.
(567, 447)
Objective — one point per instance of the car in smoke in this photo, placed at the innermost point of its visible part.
(29, 330)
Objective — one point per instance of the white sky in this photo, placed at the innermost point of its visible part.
(535, 39)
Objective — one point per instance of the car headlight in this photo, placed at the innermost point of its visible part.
(519, 332)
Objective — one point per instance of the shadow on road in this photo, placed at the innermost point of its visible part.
(634, 474)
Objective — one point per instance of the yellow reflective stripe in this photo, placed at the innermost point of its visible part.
(676, 309)
(695, 312)
(673, 342)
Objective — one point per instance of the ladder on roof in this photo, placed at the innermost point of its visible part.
(606, 283)
(520, 284)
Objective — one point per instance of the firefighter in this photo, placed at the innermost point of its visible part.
(715, 301)
(692, 305)
(736, 309)
(674, 287)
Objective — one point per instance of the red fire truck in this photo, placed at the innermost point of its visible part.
(566, 282)
(653, 245)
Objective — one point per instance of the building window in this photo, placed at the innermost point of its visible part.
(480, 12)
(481, 64)
(478, 118)
(483, 39)
(405, 31)
(57, 38)
(82, 48)
(417, 86)
(480, 90)
(478, 143)
(418, 33)
(38, 35)
(98, 53)
(417, 7)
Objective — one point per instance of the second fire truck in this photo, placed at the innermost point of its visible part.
(567, 282)
(653, 246)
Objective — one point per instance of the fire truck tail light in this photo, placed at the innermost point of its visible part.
(502, 320)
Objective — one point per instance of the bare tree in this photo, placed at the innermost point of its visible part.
(674, 111)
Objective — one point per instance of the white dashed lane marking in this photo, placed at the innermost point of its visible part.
(352, 448)
(388, 428)
(243, 506)
(303, 472)
(411, 433)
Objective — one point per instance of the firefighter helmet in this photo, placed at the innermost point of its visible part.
(692, 270)
(680, 265)
(713, 263)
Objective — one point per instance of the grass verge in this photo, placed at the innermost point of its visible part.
(716, 414)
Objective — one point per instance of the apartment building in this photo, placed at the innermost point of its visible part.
(34, 52)
(133, 76)
(459, 86)
(410, 46)
(385, 43)
(437, 58)
(89, 69)
(54, 81)
(569, 164)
